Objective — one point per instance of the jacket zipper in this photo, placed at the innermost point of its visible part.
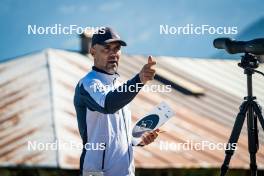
(123, 114)
(103, 160)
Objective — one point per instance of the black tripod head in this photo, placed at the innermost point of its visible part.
(249, 61)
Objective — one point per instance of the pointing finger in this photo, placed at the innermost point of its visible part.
(150, 59)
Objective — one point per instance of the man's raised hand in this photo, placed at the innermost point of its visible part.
(147, 73)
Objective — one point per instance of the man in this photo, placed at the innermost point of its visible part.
(104, 119)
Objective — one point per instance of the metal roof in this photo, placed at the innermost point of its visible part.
(36, 105)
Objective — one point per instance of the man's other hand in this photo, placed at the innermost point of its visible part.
(149, 137)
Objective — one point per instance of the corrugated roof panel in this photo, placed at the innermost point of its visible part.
(232, 81)
(172, 79)
(66, 72)
(25, 112)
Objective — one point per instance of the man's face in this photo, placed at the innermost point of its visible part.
(106, 57)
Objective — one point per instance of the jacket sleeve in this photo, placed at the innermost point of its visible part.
(98, 97)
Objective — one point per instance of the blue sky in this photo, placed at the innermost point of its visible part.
(138, 23)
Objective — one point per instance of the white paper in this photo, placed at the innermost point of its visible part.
(153, 120)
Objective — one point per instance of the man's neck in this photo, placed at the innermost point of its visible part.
(100, 70)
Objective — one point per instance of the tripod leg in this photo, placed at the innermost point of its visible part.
(231, 146)
(257, 109)
(253, 135)
(253, 143)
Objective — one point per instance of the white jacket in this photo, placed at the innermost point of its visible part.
(104, 122)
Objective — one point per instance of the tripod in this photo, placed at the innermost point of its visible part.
(250, 109)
